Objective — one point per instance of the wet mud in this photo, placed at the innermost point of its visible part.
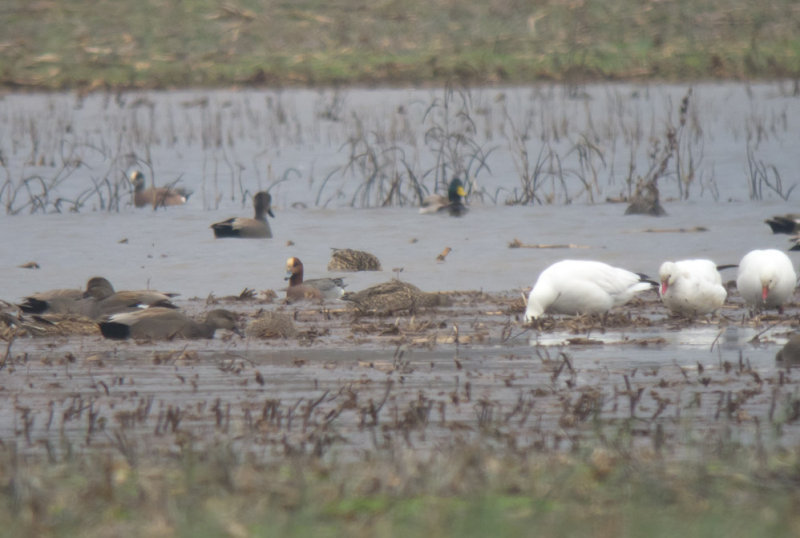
(338, 380)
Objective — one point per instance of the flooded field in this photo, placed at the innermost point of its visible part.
(346, 169)
(351, 384)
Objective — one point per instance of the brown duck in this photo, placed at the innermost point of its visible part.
(316, 289)
(255, 228)
(271, 325)
(394, 296)
(155, 196)
(347, 259)
(790, 352)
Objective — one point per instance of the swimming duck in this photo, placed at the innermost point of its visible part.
(644, 200)
(155, 196)
(453, 204)
(394, 296)
(165, 323)
(785, 224)
(691, 287)
(583, 287)
(255, 228)
(766, 279)
(347, 259)
(317, 289)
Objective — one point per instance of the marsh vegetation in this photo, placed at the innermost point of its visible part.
(359, 149)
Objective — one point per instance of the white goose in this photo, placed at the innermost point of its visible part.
(691, 287)
(582, 287)
(766, 278)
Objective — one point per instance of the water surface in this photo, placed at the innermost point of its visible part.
(227, 144)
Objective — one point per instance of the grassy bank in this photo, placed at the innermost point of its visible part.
(159, 43)
(472, 492)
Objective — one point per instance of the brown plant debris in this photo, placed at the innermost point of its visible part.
(516, 243)
(693, 229)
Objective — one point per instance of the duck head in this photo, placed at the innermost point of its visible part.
(455, 191)
(137, 180)
(262, 202)
(294, 271)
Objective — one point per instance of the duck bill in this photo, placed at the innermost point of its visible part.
(664, 286)
(764, 293)
(461, 191)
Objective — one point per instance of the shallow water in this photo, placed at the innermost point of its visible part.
(303, 135)
(224, 143)
(175, 250)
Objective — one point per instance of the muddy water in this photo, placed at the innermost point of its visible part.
(327, 385)
(349, 384)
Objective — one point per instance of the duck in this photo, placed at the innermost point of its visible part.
(97, 301)
(255, 228)
(316, 289)
(160, 323)
(691, 287)
(394, 296)
(109, 301)
(347, 259)
(790, 352)
(271, 325)
(58, 301)
(155, 196)
(766, 279)
(645, 200)
(65, 300)
(785, 224)
(583, 287)
(453, 204)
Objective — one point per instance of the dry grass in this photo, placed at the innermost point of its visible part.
(194, 43)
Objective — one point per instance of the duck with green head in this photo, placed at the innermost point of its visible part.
(453, 204)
